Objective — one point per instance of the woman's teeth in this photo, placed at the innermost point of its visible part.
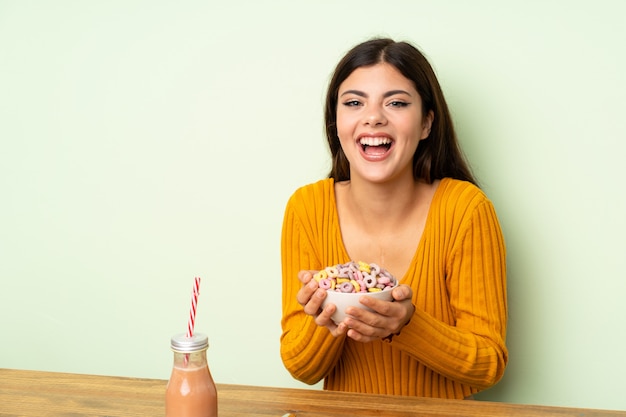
(378, 141)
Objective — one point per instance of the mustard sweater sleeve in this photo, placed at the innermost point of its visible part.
(308, 351)
(470, 348)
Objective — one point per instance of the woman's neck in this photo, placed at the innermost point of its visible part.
(388, 203)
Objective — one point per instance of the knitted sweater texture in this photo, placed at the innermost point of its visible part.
(454, 344)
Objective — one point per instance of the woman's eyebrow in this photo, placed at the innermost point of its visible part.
(387, 94)
(394, 92)
(355, 92)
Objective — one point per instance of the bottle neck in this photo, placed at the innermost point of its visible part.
(195, 359)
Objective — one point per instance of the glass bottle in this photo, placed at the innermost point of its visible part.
(190, 391)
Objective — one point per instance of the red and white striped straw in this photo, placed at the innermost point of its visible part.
(194, 306)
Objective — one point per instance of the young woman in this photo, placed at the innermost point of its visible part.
(400, 195)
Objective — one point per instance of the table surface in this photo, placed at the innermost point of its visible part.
(41, 394)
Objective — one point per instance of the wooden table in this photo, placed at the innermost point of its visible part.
(41, 394)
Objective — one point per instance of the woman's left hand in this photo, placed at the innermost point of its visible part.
(389, 317)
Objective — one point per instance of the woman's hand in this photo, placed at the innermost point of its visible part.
(389, 317)
(310, 297)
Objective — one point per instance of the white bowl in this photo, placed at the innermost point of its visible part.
(343, 300)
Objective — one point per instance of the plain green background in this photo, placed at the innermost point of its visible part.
(146, 142)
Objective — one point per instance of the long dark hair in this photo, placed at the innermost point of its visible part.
(437, 156)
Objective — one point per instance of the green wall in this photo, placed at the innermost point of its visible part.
(145, 142)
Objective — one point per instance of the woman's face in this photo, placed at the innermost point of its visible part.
(380, 123)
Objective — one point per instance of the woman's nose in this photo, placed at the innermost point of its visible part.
(374, 116)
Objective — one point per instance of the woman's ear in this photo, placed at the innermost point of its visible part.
(427, 125)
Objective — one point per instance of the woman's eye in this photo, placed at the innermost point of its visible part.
(352, 103)
(398, 103)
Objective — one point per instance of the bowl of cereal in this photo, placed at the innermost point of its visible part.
(347, 283)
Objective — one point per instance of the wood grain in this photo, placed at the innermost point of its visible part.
(43, 394)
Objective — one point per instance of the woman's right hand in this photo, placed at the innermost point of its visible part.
(311, 297)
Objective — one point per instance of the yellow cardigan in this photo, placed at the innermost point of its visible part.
(454, 345)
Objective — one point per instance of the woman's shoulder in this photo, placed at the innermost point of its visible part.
(461, 206)
(459, 199)
(460, 191)
(323, 185)
(313, 194)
